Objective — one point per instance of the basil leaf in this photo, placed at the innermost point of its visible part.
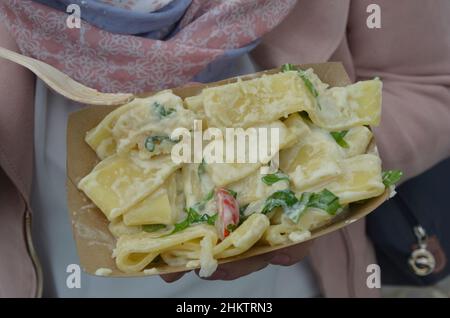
(309, 85)
(181, 226)
(295, 211)
(161, 110)
(391, 177)
(194, 217)
(325, 200)
(151, 142)
(152, 227)
(339, 138)
(270, 179)
(283, 198)
(294, 207)
(211, 220)
(286, 195)
(288, 67)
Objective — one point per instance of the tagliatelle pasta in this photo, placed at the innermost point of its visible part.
(135, 251)
(244, 237)
(195, 213)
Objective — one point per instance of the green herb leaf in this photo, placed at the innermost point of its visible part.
(339, 137)
(288, 67)
(283, 198)
(181, 226)
(391, 177)
(270, 179)
(309, 85)
(194, 217)
(294, 207)
(151, 142)
(211, 220)
(295, 211)
(161, 110)
(325, 200)
(152, 227)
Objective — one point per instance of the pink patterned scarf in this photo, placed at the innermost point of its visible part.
(123, 63)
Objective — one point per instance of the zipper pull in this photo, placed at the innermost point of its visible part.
(421, 261)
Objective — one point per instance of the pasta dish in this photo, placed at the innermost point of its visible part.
(192, 214)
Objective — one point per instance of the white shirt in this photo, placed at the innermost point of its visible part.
(56, 248)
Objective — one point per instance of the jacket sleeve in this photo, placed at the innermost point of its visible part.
(414, 133)
(415, 128)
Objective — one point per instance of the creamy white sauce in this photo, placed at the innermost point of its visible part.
(151, 271)
(103, 271)
(299, 236)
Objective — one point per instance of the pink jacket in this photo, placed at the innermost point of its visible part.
(411, 53)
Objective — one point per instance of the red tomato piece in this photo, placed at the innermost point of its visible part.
(228, 211)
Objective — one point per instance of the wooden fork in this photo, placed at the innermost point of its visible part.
(63, 84)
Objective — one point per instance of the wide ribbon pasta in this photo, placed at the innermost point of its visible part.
(194, 214)
(119, 182)
(135, 252)
(244, 237)
(271, 97)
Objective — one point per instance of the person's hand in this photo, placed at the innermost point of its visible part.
(229, 271)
